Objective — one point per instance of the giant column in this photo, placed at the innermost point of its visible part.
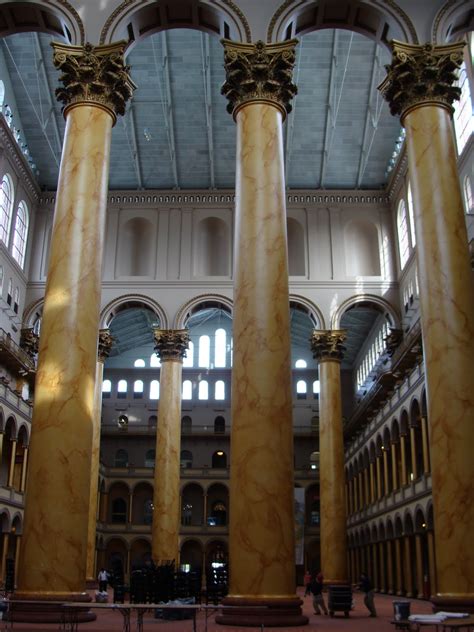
(419, 88)
(104, 347)
(170, 346)
(54, 546)
(328, 349)
(261, 528)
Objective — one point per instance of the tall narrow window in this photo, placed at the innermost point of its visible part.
(204, 351)
(10, 292)
(138, 388)
(187, 389)
(106, 386)
(154, 360)
(301, 389)
(20, 233)
(122, 388)
(220, 389)
(188, 360)
(203, 392)
(316, 387)
(16, 300)
(403, 243)
(220, 348)
(154, 389)
(411, 216)
(463, 119)
(6, 207)
(468, 195)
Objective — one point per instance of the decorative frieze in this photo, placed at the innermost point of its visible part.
(105, 344)
(171, 344)
(420, 75)
(259, 72)
(328, 344)
(94, 74)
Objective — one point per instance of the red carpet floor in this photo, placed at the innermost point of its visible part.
(358, 621)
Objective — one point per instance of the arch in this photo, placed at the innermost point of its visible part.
(140, 553)
(142, 503)
(128, 301)
(379, 23)
(452, 21)
(31, 313)
(305, 305)
(192, 505)
(20, 233)
(5, 521)
(132, 22)
(212, 247)
(192, 553)
(7, 194)
(17, 524)
(201, 302)
(361, 245)
(219, 459)
(379, 303)
(57, 17)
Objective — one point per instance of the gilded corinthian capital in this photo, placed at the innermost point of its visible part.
(104, 347)
(93, 74)
(171, 344)
(259, 72)
(328, 344)
(421, 75)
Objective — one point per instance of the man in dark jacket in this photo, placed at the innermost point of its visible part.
(365, 585)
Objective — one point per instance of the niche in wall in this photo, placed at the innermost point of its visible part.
(212, 248)
(135, 252)
(361, 244)
(296, 249)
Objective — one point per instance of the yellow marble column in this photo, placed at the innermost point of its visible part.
(403, 461)
(24, 469)
(17, 555)
(11, 466)
(419, 566)
(385, 471)
(327, 347)
(432, 562)
(372, 482)
(54, 548)
(407, 566)
(170, 346)
(366, 487)
(419, 88)
(390, 587)
(6, 538)
(414, 462)
(378, 467)
(398, 567)
(103, 350)
(261, 528)
(383, 571)
(394, 466)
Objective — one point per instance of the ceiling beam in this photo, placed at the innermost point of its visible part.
(132, 143)
(206, 73)
(371, 119)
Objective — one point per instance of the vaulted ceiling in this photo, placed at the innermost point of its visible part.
(177, 134)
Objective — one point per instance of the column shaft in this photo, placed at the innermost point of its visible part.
(447, 306)
(394, 466)
(414, 462)
(403, 462)
(166, 497)
(419, 566)
(54, 546)
(432, 562)
(407, 564)
(24, 469)
(398, 567)
(426, 447)
(11, 467)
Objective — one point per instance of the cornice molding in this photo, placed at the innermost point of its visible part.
(11, 146)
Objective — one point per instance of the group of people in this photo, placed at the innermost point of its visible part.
(314, 585)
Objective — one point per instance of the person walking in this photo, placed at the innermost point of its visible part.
(365, 585)
(103, 577)
(317, 586)
(307, 583)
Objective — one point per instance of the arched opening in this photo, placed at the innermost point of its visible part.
(219, 459)
(135, 251)
(296, 248)
(362, 250)
(213, 248)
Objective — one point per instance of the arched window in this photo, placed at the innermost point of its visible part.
(218, 515)
(203, 391)
(150, 458)
(154, 389)
(301, 364)
(188, 360)
(106, 388)
(121, 458)
(204, 351)
(468, 195)
(138, 388)
(122, 388)
(219, 459)
(220, 348)
(316, 387)
(6, 207)
(411, 216)
(187, 389)
(402, 226)
(219, 392)
(139, 363)
(186, 459)
(463, 119)
(119, 510)
(186, 424)
(20, 233)
(301, 389)
(154, 360)
(219, 425)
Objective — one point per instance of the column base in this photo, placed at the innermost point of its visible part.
(37, 607)
(262, 612)
(450, 602)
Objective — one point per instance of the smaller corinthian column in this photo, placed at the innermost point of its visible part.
(419, 87)
(170, 346)
(328, 349)
(105, 345)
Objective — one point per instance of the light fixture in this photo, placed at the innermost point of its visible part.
(220, 453)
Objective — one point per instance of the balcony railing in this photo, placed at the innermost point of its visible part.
(194, 430)
(14, 354)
